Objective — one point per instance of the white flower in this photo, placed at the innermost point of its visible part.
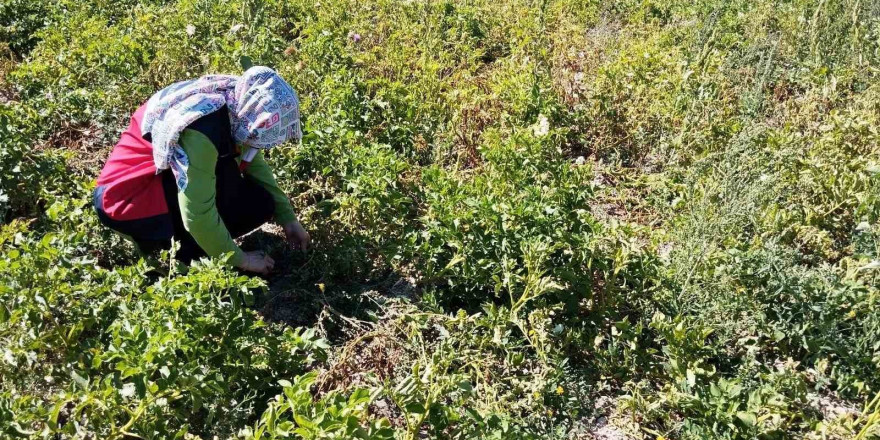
(542, 127)
(236, 28)
(9, 357)
(127, 390)
(190, 30)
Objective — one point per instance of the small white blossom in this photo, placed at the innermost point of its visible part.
(190, 30)
(9, 358)
(127, 390)
(542, 127)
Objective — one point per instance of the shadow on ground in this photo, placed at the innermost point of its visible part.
(297, 294)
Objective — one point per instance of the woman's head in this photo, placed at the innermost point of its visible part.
(264, 108)
(263, 111)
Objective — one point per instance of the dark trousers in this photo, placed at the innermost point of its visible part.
(243, 205)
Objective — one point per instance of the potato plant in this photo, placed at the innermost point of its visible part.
(531, 219)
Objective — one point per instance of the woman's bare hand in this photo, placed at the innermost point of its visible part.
(297, 236)
(257, 262)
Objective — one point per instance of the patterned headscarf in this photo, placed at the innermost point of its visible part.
(263, 112)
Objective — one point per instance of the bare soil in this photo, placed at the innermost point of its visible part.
(340, 309)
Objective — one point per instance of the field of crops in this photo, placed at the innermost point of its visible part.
(532, 219)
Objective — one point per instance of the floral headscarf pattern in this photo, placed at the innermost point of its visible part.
(263, 111)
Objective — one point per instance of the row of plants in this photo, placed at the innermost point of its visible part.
(657, 215)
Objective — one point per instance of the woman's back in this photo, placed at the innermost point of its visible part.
(129, 186)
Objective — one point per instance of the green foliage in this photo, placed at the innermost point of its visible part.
(111, 352)
(333, 416)
(27, 177)
(662, 214)
(19, 22)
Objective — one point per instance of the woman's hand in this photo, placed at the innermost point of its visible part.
(297, 237)
(257, 262)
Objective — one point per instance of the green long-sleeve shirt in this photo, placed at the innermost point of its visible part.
(197, 202)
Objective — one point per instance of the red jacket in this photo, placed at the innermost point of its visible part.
(131, 188)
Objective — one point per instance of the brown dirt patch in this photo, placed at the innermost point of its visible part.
(85, 143)
(372, 353)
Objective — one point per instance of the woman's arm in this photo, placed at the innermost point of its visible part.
(297, 236)
(259, 170)
(197, 205)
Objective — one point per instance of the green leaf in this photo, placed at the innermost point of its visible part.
(96, 361)
(466, 386)
(53, 417)
(304, 422)
(734, 390)
(359, 396)
(473, 414)
(749, 418)
(414, 408)
(284, 428)
(778, 335)
(81, 381)
(245, 62)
